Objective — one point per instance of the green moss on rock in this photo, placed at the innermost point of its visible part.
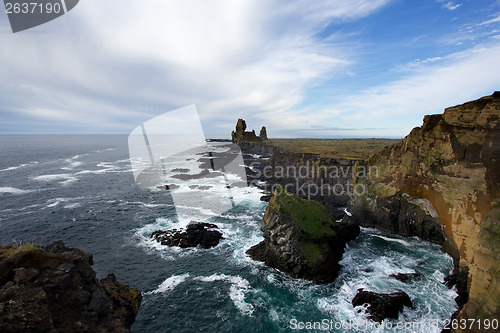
(310, 215)
(312, 253)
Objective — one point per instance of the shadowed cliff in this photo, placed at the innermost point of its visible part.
(54, 289)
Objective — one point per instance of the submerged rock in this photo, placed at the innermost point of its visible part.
(301, 239)
(382, 306)
(196, 233)
(406, 277)
(55, 289)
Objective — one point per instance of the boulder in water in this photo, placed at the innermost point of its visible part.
(382, 306)
(196, 233)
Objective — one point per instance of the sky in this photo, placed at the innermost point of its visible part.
(302, 68)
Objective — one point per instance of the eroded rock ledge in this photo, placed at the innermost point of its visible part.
(400, 214)
(301, 239)
(55, 289)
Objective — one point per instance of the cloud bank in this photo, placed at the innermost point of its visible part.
(108, 66)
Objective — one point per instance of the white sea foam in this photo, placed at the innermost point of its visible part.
(106, 167)
(400, 241)
(56, 201)
(254, 155)
(147, 205)
(13, 190)
(239, 287)
(72, 165)
(371, 271)
(347, 212)
(169, 284)
(65, 177)
(19, 166)
(142, 235)
(73, 206)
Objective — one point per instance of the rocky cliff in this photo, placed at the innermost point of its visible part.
(301, 239)
(54, 289)
(241, 134)
(445, 175)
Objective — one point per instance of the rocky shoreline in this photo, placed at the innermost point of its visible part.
(54, 289)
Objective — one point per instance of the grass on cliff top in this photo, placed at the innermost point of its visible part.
(353, 149)
(11, 251)
(310, 215)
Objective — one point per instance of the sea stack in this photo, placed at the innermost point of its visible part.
(263, 133)
(242, 135)
(301, 238)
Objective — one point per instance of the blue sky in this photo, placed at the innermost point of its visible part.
(332, 68)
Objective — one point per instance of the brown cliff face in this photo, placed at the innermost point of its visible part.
(453, 161)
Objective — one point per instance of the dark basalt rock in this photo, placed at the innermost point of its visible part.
(240, 134)
(399, 214)
(54, 289)
(458, 278)
(406, 277)
(266, 198)
(382, 306)
(196, 233)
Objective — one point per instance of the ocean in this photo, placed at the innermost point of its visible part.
(81, 189)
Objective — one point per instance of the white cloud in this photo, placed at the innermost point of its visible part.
(464, 76)
(451, 6)
(112, 65)
(493, 20)
(108, 66)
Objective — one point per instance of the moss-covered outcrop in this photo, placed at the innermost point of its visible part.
(452, 162)
(54, 289)
(301, 239)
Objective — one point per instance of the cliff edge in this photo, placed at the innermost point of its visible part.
(54, 289)
(447, 171)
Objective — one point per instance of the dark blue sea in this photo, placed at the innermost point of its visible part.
(81, 189)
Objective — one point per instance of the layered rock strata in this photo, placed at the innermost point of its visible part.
(452, 164)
